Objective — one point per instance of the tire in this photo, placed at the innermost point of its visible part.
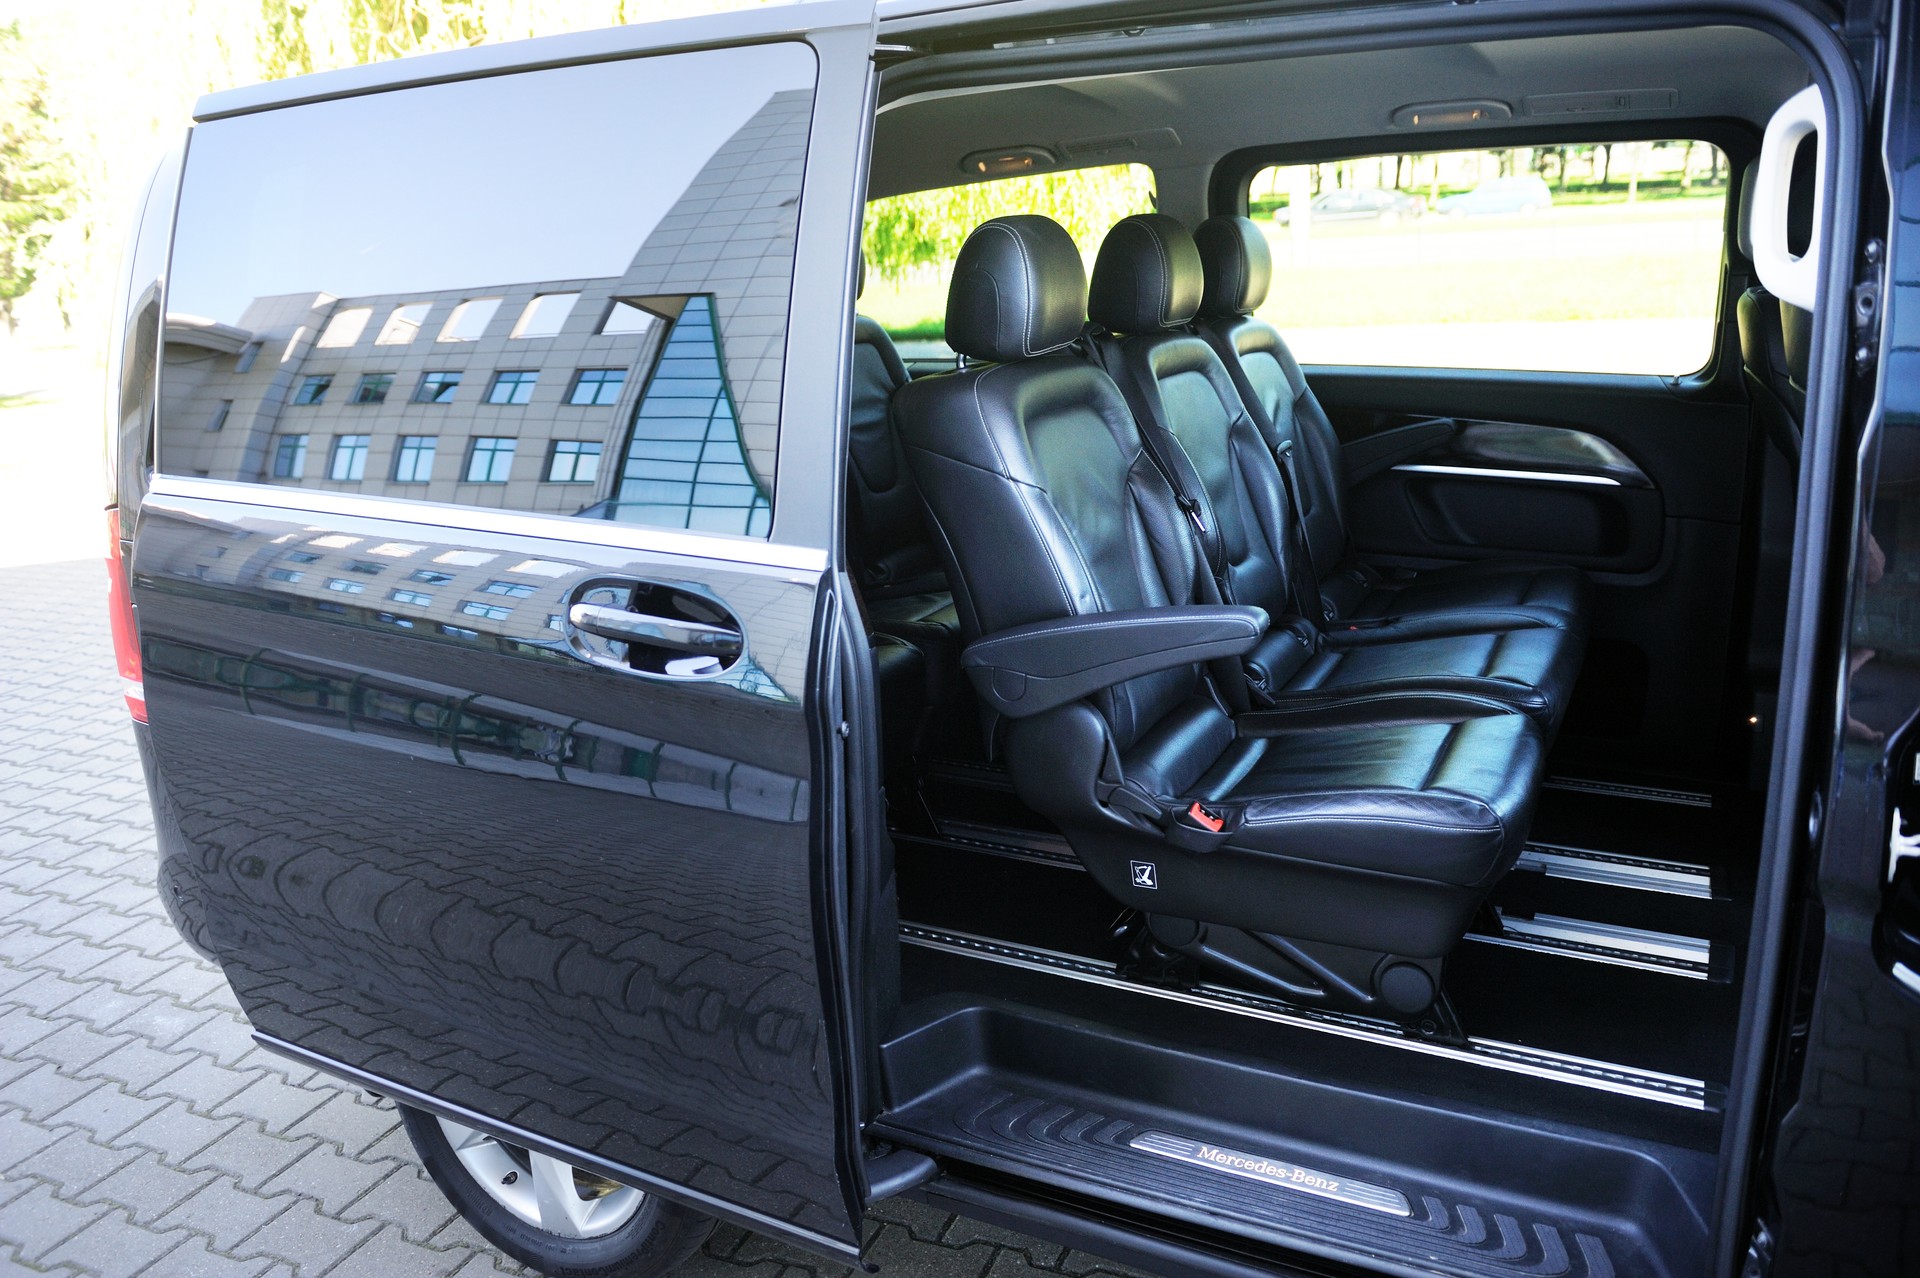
(606, 1230)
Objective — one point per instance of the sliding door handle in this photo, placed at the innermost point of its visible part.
(647, 630)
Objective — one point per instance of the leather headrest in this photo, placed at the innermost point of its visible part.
(1743, 225)
(1018, 290)
(1238, 266)
(1147, 277)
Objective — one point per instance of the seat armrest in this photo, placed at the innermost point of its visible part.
(1367, 456)
(1027, 669)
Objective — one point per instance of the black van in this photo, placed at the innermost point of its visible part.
(1241, 742)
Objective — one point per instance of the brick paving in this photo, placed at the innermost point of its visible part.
(141, 1131)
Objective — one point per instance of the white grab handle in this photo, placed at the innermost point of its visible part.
(1794, 280)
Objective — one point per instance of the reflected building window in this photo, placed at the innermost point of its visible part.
(684, 466)
(349, 457)
(403, 325)
(373, 388)
(313, 390)
(545, 315)
(468, 321)
(492, 612)
(511, 589)
(437, 388)
(431, 576)
(345, 327)
(515, 387)
(491, 460)
(341, 586)
(413, 460)
(597, 386)
(625, 317)
(290, 457)
(574, 461)
(418, 598)
(220, 411)
(302, 557)
(288, 575)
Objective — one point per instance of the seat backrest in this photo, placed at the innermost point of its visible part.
(1238, 269)
(1043, 498)
(1773, 337)
(887, 532)
(1147, 283)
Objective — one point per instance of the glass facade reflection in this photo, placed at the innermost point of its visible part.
(646, 393)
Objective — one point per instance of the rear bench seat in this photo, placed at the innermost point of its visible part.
(1147, 286)
(1238, 269)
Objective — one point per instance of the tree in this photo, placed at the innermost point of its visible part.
(926, 228)
(36, 179)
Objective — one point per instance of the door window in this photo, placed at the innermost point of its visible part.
(1601, 258)
(643, 272)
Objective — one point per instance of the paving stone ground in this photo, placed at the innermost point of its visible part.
(141, 1131)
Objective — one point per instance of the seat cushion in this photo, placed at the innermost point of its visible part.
(931, 625)
(1447, 801)
(1530, 669)
(1481, 595)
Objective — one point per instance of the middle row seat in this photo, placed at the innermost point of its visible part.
(1146, 289)
(1341, 846)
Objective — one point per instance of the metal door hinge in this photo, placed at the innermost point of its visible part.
(1759, 1260)
(1866, 306)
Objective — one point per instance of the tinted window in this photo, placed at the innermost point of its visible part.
(1597, 258)
(622, 259)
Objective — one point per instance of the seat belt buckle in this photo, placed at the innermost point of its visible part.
(1201, 816)
(1200, 828)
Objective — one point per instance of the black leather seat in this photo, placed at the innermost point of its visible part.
(893, 560)
(1339, 850)
(1774, 337)
(1147, 285)
(1238, 268)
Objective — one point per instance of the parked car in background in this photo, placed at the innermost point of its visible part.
(1528, 194)
(1359, 204)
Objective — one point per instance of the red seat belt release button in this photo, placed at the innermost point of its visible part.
(1205, 818)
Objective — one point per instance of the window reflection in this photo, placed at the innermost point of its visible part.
(666, 365)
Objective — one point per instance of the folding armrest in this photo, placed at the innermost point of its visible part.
(1028, 669)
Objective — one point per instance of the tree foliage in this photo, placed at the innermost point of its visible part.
(926, 228)
(36, 178)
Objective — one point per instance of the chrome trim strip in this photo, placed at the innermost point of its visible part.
(1621, 1080)
(1612, 936)
(724, 547)
(1907, 977)
(1675, 878)
(1624, 790)
(1271, 1171)
(1495, 472)
(1575, 942)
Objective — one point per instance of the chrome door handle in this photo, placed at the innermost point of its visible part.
(654, 632)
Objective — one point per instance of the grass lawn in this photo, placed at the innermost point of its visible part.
(1659, 259)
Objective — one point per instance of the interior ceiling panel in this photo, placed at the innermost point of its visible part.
(1715, 71)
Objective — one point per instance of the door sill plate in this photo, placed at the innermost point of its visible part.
(1269, 1171)
(1578, 1071)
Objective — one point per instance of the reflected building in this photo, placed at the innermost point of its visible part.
(651, 397)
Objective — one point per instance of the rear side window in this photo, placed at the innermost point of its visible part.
(1601, 258)
(910, 241)
(622, 304)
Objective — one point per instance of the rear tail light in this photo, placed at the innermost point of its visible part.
(126, 636)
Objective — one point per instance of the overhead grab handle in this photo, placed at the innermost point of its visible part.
(1794, 280)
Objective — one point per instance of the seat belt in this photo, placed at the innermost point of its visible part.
(1297, 522)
